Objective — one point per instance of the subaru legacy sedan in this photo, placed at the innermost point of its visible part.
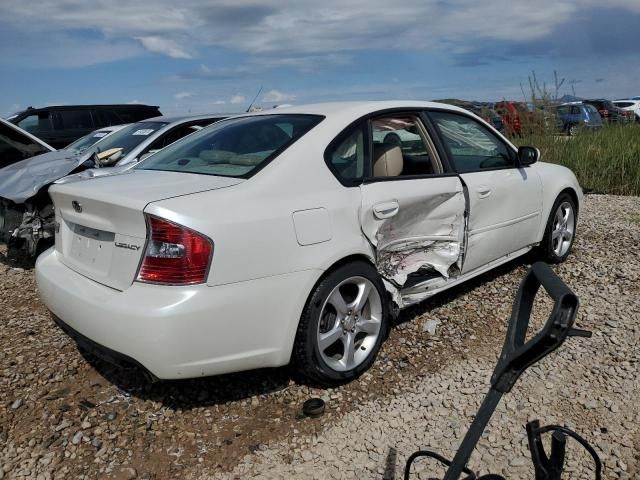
(293, 236)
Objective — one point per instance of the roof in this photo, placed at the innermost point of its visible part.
(355, 109)
(105, 105)
(185, 118)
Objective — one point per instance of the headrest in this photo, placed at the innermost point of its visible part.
(387, 161)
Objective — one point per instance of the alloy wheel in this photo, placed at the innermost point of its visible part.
(563, 229)
(350, 323)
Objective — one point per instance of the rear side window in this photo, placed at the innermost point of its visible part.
(472, 146)
(624, 104)
(236, 147)
(75, 119)
(105, 117)
(346, 157)
(130, 115)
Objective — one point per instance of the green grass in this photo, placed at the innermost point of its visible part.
(607, 161)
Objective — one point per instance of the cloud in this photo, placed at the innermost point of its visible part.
(218, 102)
(163, 46)
(235, 99)
(278, 96)
(300, 34)
(183, 95)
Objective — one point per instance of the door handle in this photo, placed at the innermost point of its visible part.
(483, 191)
(386, 209)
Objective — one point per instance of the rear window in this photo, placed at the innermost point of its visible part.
(235, 147)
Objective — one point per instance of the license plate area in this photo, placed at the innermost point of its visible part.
(91, 248)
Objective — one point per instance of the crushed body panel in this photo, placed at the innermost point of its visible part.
(424, 239)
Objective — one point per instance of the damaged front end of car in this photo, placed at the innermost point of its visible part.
(27, 218)
(27, 228)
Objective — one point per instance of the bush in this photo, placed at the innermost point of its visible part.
(607, 161)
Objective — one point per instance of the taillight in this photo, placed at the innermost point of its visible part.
(604, 112)
(175, 255)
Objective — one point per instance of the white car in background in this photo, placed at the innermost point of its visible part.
(26, 213)
(629, 106)
(291, 235)
(84, 143)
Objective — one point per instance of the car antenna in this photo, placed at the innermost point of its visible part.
(254, 99)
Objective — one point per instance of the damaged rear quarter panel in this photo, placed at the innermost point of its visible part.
(427, 233)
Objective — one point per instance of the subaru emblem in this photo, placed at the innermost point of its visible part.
(76, 206)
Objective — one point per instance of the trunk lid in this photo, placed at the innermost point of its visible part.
(101, 230)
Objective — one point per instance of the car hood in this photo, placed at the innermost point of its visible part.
(22, 180)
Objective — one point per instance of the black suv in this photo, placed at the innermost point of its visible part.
(607, 110)
(60, 125)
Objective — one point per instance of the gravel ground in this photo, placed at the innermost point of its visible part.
(64, 414)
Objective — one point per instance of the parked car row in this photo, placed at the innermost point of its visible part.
(28, 167)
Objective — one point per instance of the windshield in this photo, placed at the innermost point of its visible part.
(232, 148)
(85, 142)
(128, 138)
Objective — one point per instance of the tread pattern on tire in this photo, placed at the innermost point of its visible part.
(303, 354)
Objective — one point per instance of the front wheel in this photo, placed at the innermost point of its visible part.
(560, 230)
(342, 326)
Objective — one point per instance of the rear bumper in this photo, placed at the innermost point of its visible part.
(102, 352)
(179, 332)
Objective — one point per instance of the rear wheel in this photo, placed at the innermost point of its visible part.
(342, 326)
(560, 231)
(572, 130)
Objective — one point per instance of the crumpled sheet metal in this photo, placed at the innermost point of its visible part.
(24, 179)
(425, 234)
(436, 255)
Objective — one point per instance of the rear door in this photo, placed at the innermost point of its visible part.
(412, 205)
(505, 201)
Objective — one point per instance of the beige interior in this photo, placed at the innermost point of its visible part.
(388, 160)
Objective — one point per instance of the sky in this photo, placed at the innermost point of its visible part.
(214, 55)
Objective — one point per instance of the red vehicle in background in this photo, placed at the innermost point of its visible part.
(510, 116)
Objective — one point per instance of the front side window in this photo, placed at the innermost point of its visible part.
(236, 147)
(38, 122)
(472, 146)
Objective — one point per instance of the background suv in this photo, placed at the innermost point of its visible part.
(573, 117)
(607, 110)
(60, 125)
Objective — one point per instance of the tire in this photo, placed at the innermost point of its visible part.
(572, 130)
(558, 236)
(334, 319)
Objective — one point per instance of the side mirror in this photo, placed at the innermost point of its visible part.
(528, 156)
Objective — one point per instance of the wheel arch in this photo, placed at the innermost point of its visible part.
(336, 263)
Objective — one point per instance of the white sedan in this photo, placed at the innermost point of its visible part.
(293, 236)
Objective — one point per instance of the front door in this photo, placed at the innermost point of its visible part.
(505, 201)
